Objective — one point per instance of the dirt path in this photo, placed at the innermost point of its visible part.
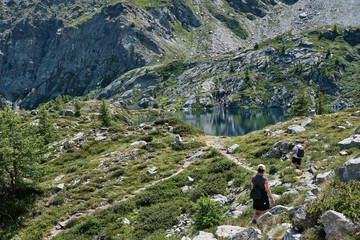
(215, 142)
(59, 227)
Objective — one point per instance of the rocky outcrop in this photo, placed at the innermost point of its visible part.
(295, 129)
(278, 150)
(204, 236)
(350, 171)
(337, 226)
(351, 142)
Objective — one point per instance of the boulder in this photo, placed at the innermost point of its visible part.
(306, 122)
(351, 142)
(189, 179)
(337, 226)
(357, 131)
(323, 177)
(295, 129)
(232, 148)
(350, 171)
(185, 189)
(279, 209)
(265, 221)
(299, 219)
(152, 170)
(219, 198)
(278, 150)
(68, 111)
(138, 143)
(291, 234)
(236, 233)
(59, 187)
(58, 178)
(178, 139)
(272, 170)
(125, 221)
(204, 236)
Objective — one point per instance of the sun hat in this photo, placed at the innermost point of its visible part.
(261, 167)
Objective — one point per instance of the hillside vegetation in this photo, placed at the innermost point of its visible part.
(135, 182)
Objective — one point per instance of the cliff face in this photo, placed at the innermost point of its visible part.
(69, 47)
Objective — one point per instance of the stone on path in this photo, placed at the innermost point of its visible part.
(291, 234)
(323, 177)
(232, 148)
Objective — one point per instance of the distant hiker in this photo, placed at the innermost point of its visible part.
(298, 152)
(260, 193)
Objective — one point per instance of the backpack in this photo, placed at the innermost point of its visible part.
(255, 193)
(300, 152)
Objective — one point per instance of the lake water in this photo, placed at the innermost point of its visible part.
(229, 122)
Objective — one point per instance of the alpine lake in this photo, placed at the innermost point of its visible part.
(226, 121)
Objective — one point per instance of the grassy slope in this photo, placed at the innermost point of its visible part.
(110, 172)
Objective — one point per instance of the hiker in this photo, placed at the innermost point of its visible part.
(296, 160)
(261, 205)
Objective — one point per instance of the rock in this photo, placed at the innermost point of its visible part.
(265, 221)
(278, 228)
(232, 148)
(138, 143)
(279, 209)
(152, 170)
(326, 146)
(341, 127)
(68, 111)
(278, 150)
(351, 142)
(350, 171)
(59, 187)
(219, 198)
(58, 178)
(306, 122)
(310, 112)
(236, 233)
(204, 236)
(348, 57)
(337, 226)
(185, 189)
(125, 221)
(291, 234)
(343, 153)
(178, 139)
(323, 177)
(189, 179)
(185, 238)
(299, 219)
(303, 15)
(272, 170)
(310, 196)
(357, 131)
(34, 112)
(295, 129)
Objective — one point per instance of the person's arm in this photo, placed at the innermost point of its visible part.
(252, 185)
(269, 192)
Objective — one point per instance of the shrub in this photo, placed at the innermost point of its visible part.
(180, 127)
(340, 197)
(208, 213)
(124, 207)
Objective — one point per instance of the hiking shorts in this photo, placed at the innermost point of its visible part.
(296, 160)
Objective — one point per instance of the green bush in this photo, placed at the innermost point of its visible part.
(208, 213)
(124, 207)
(340, 197)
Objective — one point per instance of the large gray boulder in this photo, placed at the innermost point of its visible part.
(278, 150)
(350, 171)
(204, 236)
(265, 221)
(351, 142)
(68, 111)
(306, 122)
(357, 131)
(323, 177)
(300, 221)
(295, 129)
(236, 233)
(279, 209)
(337, 226)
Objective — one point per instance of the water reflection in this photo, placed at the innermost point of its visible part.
(231, 122)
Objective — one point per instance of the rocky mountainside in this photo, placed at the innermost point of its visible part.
(68, 47)
(270, 75)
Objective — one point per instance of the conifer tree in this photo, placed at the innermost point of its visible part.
(20, 149)
(105, 117)
(46, 129)
(77, 109)
(301, 105)
(320, 107)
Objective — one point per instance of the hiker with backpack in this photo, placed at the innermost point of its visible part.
(298, 153)
(260, 193)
